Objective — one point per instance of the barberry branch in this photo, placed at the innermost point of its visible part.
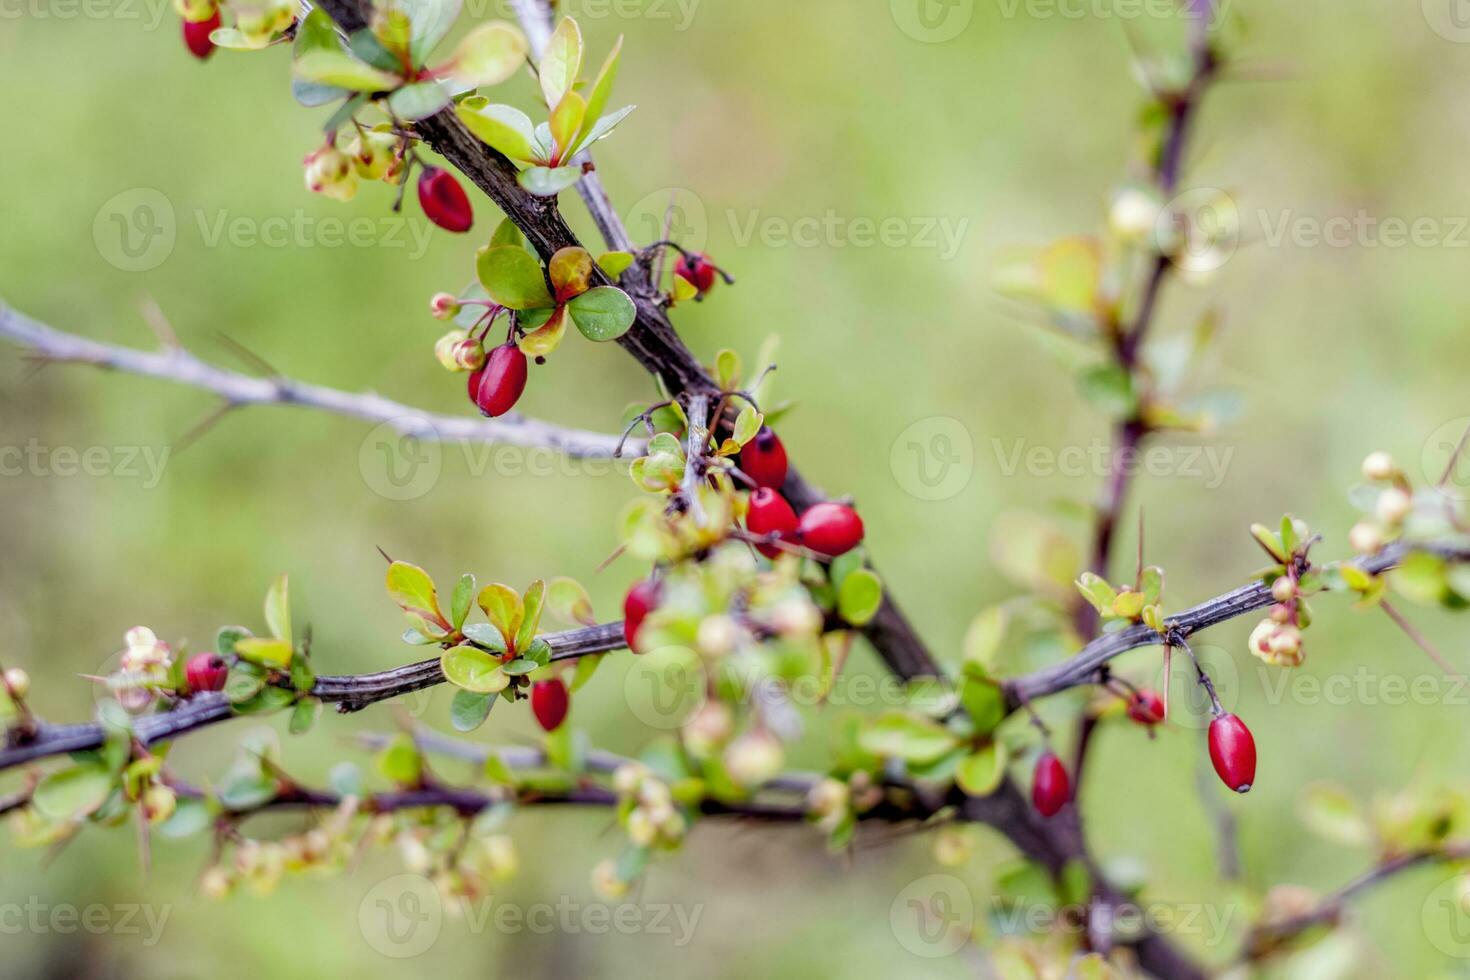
(1083, 667)
(1267, 938)
(350, 692)
(176, 364)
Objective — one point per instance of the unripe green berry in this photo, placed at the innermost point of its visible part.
(1365, 538)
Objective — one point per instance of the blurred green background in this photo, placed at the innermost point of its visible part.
(1004, 122)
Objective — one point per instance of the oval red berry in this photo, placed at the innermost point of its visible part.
(641, 600)
(502, 380)
(444, 201)
(1233, 751)
(769, 513)
(763, 459)
(830, 529)
(549, 703)
(1050, 786)
(206, 672)
(196, 35)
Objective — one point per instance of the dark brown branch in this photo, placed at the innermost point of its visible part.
(652, 339)
(349, 692)
(1083, 667)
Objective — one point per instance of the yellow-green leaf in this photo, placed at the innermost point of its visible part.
(413, 590)
(531, 605)
(502, 606)
(570, 270)
(327, 67)
(512, 277)
(980, 772)
(278, 607)
(562, 61)
(473, 669)
(489, 54)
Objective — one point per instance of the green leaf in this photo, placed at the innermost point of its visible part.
(328, 67)
(531, 604)
(399, 761)
(859, 596)
(566, 121)
(504, 127)
(315, 32)
(489, 55)
(615, 263)
(469, 710)
(547, 181)
(747, 424)
(503, 607)
(913, 739)
(519, 667)
(473, 669)
(413, 590)
(370, 49)
(727, 369)
(586, 667)
(506, 233)
(981, 772)
(486, 635)
(603, 127)
(1288, 534)
(72, 793)
(1096, 591)
(278, 608)
(569, 599)
(303, 678)
(983, 700)
(512, 277)
(599, 93)
(1330, 812)
(1151, 583)
(602, 313)
(304, 715)
(431, 20)
(245, 789)
(462, 600)
(984, 637)
(274, 654)
(1109, 387)
(243, 683)
(419, 100)
(562, 61)
(190, 817)
(547, 334)
(497, 771)
(226, 637)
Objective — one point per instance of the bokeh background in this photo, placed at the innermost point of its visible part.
(1004, 122)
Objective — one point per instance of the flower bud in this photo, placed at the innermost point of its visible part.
(953, 846)
(717, 635)
(1379, 466)
(214, 882)
(159, 803)
(444, 306)
(372, 153)
(827, 797)
(642, 831)
(446, 349)
(627, 777)
(1283, 589)
(698, 271)
(754, 758)
(500, 855)
(17, 682)
(711, 726)
(653, 793)
(329, 171)
(605, 880)
(1393, 506)
(1133, 213)
(1365, 538)
(469, 354)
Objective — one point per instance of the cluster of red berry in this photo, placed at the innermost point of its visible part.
(1232, 751)
(827, 529)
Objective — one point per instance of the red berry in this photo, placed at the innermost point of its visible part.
(698, 270)
(500, 382)
(1146, 707)
(1050, 786)
(549, 701)
(769, 513)
(763, 459)
(830, 529)
(206, 672)
(196, 35)
(444, 201)
(642, 599)
(1233, 751)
